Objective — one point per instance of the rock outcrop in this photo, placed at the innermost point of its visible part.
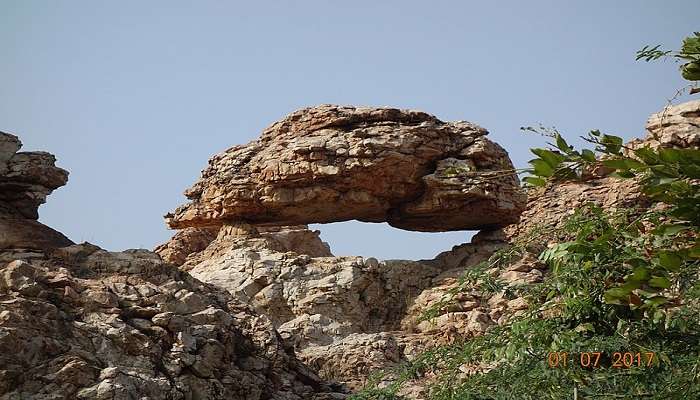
(245, 302)
(674, 126)
(78, 322)
(348, 317)
(332, 163)
(26, 178)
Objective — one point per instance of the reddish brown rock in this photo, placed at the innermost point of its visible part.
(332, 163)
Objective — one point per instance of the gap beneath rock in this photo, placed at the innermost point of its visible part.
(381, 241)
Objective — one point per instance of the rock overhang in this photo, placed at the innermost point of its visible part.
(336, 163)
(26, 179)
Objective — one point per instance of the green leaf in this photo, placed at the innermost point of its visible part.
(694, 251)
(542, 168)
(660, 282)
(692, 171)
(640, 274)
(612, 144)
(664, 170)
(623, 163)
(550, 157)
(647, 155)
(670, 260)
(562, 145)
(669, 155)
(617, 295)
(534, 181)
(669, 229)
(623, 173)
(656, 301)
(588, 155)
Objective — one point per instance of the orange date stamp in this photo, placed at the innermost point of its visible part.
(597, 359)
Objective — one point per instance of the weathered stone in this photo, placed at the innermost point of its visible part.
(332, 163)
(79, 322)
(674, 126)
(67, 341)
(298, 239)
(26, 178)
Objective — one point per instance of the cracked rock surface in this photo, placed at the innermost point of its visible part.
(79, 322)
(334, 163)
(26, 178)
(92, 324)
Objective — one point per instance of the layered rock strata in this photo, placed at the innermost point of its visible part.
(332, 163)
(26, 178)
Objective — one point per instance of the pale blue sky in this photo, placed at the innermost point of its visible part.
(133, 97)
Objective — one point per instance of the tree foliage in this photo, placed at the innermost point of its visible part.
(689, 54)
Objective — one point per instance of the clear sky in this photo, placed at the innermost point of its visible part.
(133, 97)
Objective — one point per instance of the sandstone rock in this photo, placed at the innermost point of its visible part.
(354, 358)
(675, 126)
(138, 328)
(312, 300)
(358, 356)
(332, 163)
(298, 239)
(26, 179)
(29, 234)
(184, 243)
(78, 322)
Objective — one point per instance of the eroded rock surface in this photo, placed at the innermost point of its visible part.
(98, 325)
(26, 178)
(674, 126)
(333, 163)
(349, 317)
(79, 322)
(329, 308)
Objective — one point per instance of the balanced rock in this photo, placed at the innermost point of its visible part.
(333, 163)
(26, 179)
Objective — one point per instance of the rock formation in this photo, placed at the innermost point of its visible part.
(349, 317)
(78, 322)
(332, 163)
(245, 302)
(26, 178)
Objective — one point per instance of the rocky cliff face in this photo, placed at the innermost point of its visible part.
(78, 322)
(348, 316)
(245, 302)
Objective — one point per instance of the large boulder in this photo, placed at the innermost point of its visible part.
(332, 163)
